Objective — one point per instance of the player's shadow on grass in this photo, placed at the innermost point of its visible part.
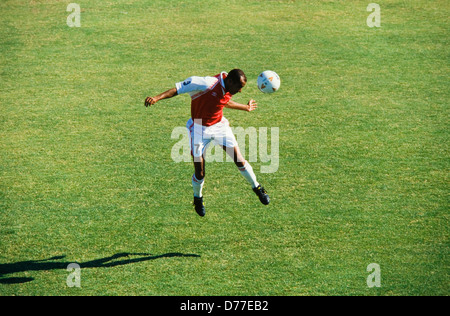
(52, 264)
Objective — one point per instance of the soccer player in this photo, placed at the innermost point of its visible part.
(209, 95)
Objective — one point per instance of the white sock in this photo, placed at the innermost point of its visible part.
(247, 172)
(197, 185)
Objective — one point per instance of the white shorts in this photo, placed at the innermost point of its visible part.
(201, 136)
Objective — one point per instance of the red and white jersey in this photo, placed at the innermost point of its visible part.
(208, 97)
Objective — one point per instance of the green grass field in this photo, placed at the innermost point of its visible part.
(86, 174)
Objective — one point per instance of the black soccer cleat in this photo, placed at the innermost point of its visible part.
(262, 194)
(199, 206)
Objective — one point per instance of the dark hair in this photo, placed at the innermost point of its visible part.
(236, 74)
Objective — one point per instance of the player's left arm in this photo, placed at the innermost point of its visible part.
(250, 106)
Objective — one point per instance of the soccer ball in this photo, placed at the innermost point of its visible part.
(269, 81)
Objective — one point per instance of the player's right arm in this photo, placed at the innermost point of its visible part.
(191, 86)
(149, 101)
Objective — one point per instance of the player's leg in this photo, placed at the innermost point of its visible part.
(198, 176)
(247, 172)
(198, 179)
(244, 167)
(198, 145)
(224, 136)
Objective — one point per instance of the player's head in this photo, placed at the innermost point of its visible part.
(235, 81)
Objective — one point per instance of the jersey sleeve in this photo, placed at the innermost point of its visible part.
(194, 85)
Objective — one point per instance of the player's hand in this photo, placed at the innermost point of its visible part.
(252, 105)
(149, 101)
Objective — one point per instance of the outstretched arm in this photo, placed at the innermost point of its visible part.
(149, 101)
(250, 106)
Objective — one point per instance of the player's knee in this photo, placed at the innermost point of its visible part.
(199, 174)
(239, 160)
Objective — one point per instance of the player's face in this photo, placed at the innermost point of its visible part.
(236, 87)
